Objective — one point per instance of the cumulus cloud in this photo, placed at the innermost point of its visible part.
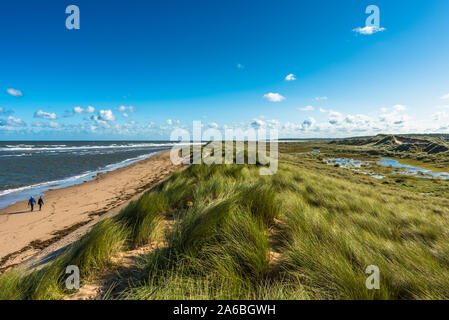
(257, 123)
(14, 92)
(393, 118)
(320, 98)
(307, 108)
(79, 110)
(12, 122)
(106, 115)
(213, 125)
(335, 117)
(273, 97)
(368, 30)
(446, 96)
(45, 115)
(308, 124)
(290, 77)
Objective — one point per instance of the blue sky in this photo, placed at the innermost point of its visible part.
(139, 69)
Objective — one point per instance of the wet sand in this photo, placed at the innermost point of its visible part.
(70, 212)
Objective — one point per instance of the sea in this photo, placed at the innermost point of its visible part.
(32, 168)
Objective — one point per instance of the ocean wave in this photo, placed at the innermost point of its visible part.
(45, 184)
(107, 168)
(87, 147)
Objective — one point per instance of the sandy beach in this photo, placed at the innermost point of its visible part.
(70, 212)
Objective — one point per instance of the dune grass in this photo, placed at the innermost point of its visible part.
(327, 226)
(307, 232)
(137, 224)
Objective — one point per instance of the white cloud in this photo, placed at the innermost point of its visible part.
(290, 77)
(51, 124)
(446, 96)
(213, 125)
(106, 115)
(12, 122)
(273, 97)
(335, 117)
(14, 92)
(257, 123)
(323, 110)
(126, 108)
(320, 98)
(45, 115)
(307, 108)
(80, 110)
(125, 115)
(384, 109)
(240, 66)
(393, 119)
(103, 123)
(172, 122)
(273, 124)
(399, 107)
(368, 30)
(308, 124)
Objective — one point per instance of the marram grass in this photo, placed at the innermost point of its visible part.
(307, 232)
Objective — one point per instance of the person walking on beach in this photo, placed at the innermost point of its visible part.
(31, 203)
(40, 202)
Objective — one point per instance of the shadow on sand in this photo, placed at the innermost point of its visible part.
(18, 212)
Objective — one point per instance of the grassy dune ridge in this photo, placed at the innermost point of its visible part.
(307, 232)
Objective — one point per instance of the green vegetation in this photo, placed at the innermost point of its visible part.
(414, 150)
(430, 149)
(307, 232)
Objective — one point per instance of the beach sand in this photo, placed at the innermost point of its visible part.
(70, 212)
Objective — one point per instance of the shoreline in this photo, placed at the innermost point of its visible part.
(25, 234)
(23, 193)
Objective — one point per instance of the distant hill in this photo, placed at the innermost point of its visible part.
(430, 143)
